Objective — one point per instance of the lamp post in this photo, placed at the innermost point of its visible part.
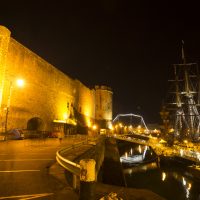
(19, 83)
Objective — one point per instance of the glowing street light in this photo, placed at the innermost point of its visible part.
(94, 127)
(19, 83)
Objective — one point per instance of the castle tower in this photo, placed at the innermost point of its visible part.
(103, 111)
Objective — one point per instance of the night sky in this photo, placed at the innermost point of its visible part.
(127, 45)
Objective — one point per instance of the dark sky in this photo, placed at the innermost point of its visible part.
(127, 45)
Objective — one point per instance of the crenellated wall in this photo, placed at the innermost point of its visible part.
(47, 93)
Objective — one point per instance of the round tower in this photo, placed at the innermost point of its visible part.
(103, 105)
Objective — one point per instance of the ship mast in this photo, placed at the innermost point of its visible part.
(187, 118)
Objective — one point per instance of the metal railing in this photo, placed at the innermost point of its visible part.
(69, 165)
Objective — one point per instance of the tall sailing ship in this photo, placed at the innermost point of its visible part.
(184, 105)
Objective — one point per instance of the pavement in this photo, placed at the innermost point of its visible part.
(27, 167)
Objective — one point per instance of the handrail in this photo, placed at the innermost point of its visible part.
(68, 164)
(58, 156)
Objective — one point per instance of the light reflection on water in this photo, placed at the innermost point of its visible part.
(140, 168)
(169, 182)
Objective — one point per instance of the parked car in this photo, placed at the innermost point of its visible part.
(15, 134)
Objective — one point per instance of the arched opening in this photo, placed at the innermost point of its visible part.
(35, 124)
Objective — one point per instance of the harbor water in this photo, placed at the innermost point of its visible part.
(142, 171)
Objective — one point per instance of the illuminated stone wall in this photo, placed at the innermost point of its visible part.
(4, 42)
(86, 103)
(47, 94)
(46, 91)
(103, 110)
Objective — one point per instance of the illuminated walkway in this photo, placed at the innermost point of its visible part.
(24, 169)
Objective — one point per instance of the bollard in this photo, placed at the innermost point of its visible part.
(87, 179)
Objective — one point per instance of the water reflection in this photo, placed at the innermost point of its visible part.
(140, 168)
(132, 155)
(169, 181)
(186, 183)
(163, 176)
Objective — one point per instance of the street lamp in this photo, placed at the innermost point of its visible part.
(19, 83)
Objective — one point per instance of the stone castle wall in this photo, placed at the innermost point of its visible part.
(47, 94)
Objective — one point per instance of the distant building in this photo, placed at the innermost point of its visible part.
(48, 96)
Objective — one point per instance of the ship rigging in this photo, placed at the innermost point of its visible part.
(184, 112)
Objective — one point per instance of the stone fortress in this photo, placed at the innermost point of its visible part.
(49, 99)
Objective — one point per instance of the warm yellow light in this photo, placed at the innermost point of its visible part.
(89, 123)
(121, 125)
(110, 127)
(189, 186)
(20, 82)
(126, 154)
(59, 121)
(139, 127)
(139, 149)
(65, 116)
(185, 141)
(171, 130)
(163, 176)
(94, 127)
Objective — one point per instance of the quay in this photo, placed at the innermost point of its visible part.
(90, 150)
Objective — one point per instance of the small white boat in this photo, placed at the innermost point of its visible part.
(131, 159)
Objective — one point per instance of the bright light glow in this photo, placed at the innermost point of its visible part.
(121, 125)
(65, 116)
(139, 149)
(185, 141)
(198, 155)
(162, 141)
(184, 181)
(59, 121)
(188, 190)
(94, 127)
(20, 82)
(89, 123)
(146, 131)
(139, 127)
(131, 151)
(181, 152)
(110, 127)
(189, 186)
(163, 176)
(171, 130)
(126, 155)
(144, 153)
